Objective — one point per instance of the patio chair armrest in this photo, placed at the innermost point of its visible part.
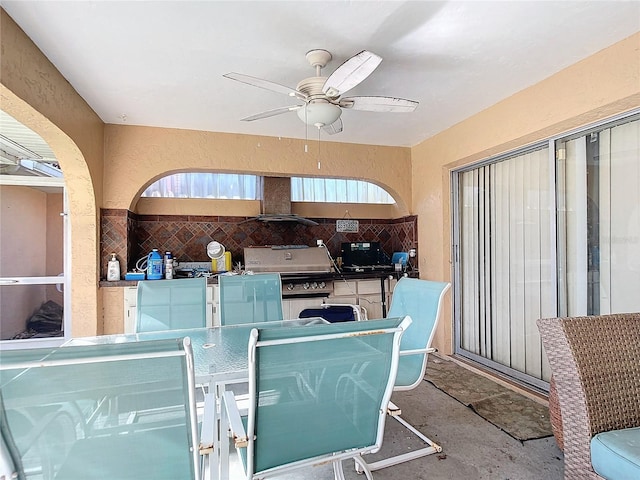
(208, 418)
(418, 351)
(238, 431)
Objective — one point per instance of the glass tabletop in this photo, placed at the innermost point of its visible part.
(219, 353)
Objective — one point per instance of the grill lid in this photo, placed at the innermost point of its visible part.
(287, 258)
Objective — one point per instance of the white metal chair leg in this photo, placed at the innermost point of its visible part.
(405, 457)
(338, 472)
(362, 467)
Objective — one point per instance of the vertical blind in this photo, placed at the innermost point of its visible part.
(507, 260)
(619, 225)
(600, 217)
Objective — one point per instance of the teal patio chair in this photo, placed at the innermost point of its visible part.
(250, 298)
(171, 304)
(118, 411)
(318, 395)
(422, 301)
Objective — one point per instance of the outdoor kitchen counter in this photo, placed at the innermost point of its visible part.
(297, 277)
(299, 291)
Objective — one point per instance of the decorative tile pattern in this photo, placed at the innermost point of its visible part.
(133, 236)
(114, 238)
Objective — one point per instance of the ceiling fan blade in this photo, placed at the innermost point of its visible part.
(335, 127)
(379, 104)
(351, 73)
(266, 84)
(271, 113)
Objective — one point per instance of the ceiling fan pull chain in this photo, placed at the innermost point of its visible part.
(306, 131)
(318, 147)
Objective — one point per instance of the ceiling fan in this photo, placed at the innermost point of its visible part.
(320, 98)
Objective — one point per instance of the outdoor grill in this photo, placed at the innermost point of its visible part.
(305, 271)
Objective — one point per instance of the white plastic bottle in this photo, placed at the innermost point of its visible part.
(113, 269)
(168, 272)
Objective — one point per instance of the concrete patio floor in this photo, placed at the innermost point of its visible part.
(473, 448)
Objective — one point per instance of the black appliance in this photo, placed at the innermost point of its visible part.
(331, 313)
(361, 256)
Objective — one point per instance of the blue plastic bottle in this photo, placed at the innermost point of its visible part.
(154, 265)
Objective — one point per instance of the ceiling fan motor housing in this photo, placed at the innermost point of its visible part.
(319, 111)
(312, 87)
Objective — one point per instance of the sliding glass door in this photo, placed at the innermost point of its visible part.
(553, 230)
(506, 261)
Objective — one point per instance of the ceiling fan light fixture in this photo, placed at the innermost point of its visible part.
(320, 113)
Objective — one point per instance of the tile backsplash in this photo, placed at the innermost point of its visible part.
(131, 236)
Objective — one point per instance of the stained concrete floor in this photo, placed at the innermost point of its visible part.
(473, 448)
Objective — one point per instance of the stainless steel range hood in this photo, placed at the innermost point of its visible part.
(276, 202)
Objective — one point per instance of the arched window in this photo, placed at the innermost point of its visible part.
(337, 190)
(247, 187)
(206, 185)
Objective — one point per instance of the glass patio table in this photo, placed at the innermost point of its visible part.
(219, 353)
(220, 358)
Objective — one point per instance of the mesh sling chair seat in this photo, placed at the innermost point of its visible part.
(171, 304)
(120, 411)
(317, 393)
(250, 298)
(422, 301)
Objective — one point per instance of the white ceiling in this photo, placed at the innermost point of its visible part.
(160, 63)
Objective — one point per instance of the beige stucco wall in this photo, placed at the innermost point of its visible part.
(603, 85)
(36, 94)
(137, 156)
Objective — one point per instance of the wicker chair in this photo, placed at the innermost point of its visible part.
(596, 369)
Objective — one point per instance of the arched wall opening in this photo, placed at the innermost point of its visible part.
(82, 268)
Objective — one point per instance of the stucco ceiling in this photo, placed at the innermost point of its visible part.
(160, 63)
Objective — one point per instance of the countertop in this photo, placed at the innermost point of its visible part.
(297, 277)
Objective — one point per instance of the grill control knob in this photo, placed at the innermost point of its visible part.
(305, 286)
(322, 285)
(314, 285)
(290, 286)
